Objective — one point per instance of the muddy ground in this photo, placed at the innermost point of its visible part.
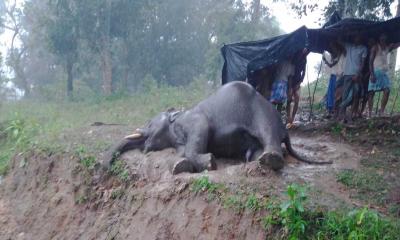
(50, 194)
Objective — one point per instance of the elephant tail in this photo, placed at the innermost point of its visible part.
(296, 155)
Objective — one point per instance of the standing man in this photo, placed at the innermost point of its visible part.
(285, 71)
(355, 57)
(300, 63)
(337, 57)
(379, 67)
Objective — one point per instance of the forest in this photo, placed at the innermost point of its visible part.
(61, 48)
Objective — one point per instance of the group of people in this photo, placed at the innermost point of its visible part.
(358, 71)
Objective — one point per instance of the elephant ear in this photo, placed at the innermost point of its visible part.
(173, 115)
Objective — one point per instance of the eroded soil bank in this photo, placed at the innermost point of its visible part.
(51, 195)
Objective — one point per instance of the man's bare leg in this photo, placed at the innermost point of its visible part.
(370, 103)
(385, 99)
(296, 97)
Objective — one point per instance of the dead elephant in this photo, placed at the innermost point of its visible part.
(234, 122)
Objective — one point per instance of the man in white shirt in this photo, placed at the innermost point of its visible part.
(355, 57)
(378, 65)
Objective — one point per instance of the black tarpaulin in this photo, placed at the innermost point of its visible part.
(242, 60)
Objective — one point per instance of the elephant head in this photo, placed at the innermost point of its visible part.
(155, 135)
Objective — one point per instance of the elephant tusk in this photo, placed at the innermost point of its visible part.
(133, 136)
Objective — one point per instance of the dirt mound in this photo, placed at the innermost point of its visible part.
(55, 197)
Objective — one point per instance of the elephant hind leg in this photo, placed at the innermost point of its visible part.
(274, 160)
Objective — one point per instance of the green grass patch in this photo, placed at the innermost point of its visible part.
(299, 222)
(368, 183)
(87, 160)
(291, 219)
(118, 169)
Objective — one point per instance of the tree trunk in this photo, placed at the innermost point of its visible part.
(106, 52)
(70, 86)
(125, 74)
(107, 70)
(255, 16)
(394, 53)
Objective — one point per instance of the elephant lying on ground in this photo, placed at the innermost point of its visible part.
(235, 121)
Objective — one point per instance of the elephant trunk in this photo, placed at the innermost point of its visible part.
(125, 145)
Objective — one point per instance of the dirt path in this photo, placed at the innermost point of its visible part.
(50, 198)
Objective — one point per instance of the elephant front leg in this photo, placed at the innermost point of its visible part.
(196, 163)
(196, 157)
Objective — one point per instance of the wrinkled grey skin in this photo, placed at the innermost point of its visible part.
(235, 121)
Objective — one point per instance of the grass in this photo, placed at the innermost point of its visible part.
(87, 160)
(291, 219)
(118, 169)
(33, 124)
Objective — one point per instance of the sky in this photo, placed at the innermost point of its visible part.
(288, 20)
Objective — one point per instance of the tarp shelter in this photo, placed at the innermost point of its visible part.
(242, 60)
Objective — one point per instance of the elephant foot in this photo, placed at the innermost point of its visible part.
(182, 166)
(206, 161)
(271, 159)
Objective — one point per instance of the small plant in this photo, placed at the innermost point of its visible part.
(16, 130)
(292, 212)
(253, 203)
(234, 202)
(81, 199)
(203, 184)
(346, 177)
(88, 161)
(336, 128)
(118, 169)
(117, 193)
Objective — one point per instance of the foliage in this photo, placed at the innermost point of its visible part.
(118, 169)
(15, 137)
(87, 160)
(292, 212)
(302, 223)
(368, 9)
(114, 45)
(357, 224)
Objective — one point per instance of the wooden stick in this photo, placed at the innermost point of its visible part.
(315, 88)
(377, 104)
(309, 95)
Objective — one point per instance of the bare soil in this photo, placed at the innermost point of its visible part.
(52, 196)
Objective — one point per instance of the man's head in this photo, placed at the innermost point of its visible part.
(357, 38)
(371, 42)
(300, 55)
(382, 39)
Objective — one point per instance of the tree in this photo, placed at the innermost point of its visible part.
(11, 21)
(95, 23)
(62, 32)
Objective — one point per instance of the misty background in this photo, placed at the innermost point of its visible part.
(73, 49)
